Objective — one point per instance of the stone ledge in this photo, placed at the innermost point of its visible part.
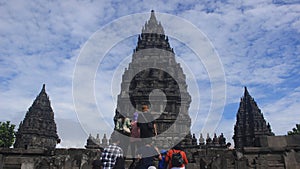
(21, 151)
(269, 149)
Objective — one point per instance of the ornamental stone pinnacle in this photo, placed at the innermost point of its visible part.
(153, 36)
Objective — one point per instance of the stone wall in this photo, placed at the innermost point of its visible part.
(45, 159)
(275, 152)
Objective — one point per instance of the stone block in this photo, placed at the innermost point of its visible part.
(293, 140)
(27, 165)
(291, 161)
(277, 141)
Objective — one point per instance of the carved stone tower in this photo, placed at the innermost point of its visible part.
(38, 129)
(155, 78)
(250, 123)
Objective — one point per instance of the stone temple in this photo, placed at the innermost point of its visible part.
(154, 78)
(38, 129)
(159, 82)
(250, 124)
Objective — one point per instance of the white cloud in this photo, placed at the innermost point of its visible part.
(284, 113)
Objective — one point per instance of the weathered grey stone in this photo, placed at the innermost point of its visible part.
(278, 141)
(27, 165)
(44, 159)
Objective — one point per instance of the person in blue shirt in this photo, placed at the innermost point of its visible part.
(162, 163)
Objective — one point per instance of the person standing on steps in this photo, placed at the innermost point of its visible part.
(134, 136)
(162, 163)
(146, 124)
(146, 155)
(112, 154)
(123, 126)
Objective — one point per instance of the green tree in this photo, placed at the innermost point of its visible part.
(295, 130)
(7, 134)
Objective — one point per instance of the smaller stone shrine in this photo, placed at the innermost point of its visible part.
(250, 123)
(38, 129)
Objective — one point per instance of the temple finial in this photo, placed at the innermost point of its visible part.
(152, 17)
(152, 25)
(153, 36)
(43, 91)
(44, 88)
(246, 93)
(42, 97)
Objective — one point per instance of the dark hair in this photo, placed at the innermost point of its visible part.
(178, 147)
(145, 107)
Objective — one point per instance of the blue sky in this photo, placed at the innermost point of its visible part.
(257, 43)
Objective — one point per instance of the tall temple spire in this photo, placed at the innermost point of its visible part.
(153, 36)
(250, 123)
(154, 68)
(38, 129)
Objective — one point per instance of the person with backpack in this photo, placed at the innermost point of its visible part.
(176, 158)
(146, 123)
